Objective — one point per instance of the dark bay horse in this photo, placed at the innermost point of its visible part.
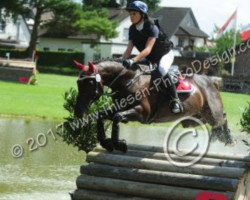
(139, 98)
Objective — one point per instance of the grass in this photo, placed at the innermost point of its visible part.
(234, 105)
(45, 100)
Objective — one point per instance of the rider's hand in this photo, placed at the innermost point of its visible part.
(128, 63)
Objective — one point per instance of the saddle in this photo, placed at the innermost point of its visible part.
(146, 68)
(183, 85)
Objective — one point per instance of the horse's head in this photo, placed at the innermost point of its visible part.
(90, 88)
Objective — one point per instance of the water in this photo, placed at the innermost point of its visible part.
(156, 136)
(49, 171)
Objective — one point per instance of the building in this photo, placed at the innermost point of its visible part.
(14, 34)
(93, 46)
(179, 24)
(242, 64)
(181, 27)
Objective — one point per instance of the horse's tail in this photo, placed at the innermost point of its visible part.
(217, 81)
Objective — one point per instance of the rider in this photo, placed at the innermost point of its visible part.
(144, 35)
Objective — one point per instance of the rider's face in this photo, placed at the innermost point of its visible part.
(135, 16)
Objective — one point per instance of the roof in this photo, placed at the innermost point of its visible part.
(114, 14)
(192, 31)
(173, 17)
(117, 14)
(13, 44)
(170, 19)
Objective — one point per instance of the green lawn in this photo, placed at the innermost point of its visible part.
(43, 100)
(234, 104)
(46, 99)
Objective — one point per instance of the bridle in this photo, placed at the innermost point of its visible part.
(91, 72)
(98, 83)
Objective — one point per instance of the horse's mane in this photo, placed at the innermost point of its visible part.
(119, 60)
(110, 64)
(116, 60)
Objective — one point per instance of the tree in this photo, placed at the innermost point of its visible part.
(42, 6)
(12, 8)
(226, 50)
(12, 5)
(69, 18)
(16, 7)
(222, 44)
(245, 120)
(95, 3)
(152, 4)
(223, 49)
(226, 42)
(64, 17)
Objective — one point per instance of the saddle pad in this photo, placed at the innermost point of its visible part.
(184, 86)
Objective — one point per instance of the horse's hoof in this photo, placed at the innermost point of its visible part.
(121, 145)
(231, 143)
(107, 144)
(120, 118)
(213, 137)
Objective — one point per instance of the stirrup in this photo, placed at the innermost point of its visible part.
(176, 106)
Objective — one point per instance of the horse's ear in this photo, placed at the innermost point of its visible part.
(92, 67)
(81, 66)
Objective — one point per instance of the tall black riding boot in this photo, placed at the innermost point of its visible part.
(175, 104)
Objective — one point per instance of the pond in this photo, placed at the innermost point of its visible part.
(48, 167)
(47, 172)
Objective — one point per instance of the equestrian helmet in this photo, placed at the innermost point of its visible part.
(138, 6)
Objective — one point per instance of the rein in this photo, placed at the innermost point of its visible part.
(143, 72)
(98, 79)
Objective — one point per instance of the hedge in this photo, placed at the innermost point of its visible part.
(47, 58)
(58, 59)
(15, 54)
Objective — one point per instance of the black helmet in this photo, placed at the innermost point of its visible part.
(138, 6)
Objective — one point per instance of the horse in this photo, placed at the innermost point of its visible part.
(137, 96)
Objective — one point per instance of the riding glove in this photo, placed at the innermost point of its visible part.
(128, 63)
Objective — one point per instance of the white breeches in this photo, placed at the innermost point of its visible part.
(166, 62)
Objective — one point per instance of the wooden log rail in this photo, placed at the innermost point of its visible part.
(145, 173)
(16, 70)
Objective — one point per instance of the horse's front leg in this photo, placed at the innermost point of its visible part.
(134, 114)
(101, 136)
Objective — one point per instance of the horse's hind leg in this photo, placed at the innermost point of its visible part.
(223, 132)
(214, 113)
